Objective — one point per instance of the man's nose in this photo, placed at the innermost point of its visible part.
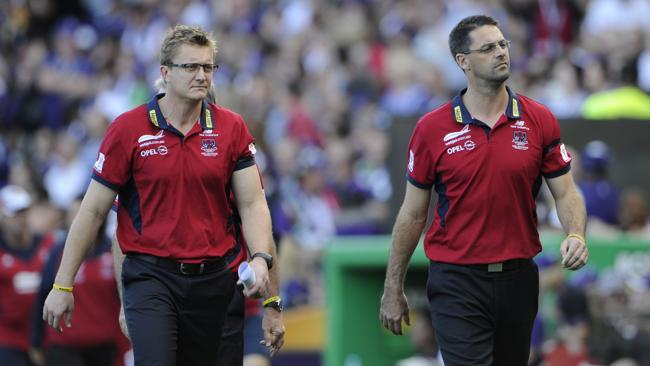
(200, 74)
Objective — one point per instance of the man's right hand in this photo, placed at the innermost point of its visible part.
(58, 304)
(394, 309)
(122, 321)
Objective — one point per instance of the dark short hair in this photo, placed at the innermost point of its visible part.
(459, 37)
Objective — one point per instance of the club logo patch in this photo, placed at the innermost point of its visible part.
(209, 147)
(520, 140)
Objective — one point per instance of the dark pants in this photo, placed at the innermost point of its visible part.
(241, 334)
(14, 357)
(173, 318)
(483, 318)
(81, 356)
(231, 348)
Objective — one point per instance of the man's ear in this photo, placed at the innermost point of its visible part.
(463, 62)
(164, 70)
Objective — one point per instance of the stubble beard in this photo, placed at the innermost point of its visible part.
(498, 77)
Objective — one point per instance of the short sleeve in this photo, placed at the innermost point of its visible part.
(421, 168)
(556, 160)
(113, 160)
(244, 147)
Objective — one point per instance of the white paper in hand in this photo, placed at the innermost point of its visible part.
(246, 275)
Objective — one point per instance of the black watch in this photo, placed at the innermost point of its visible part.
(275, 304)
(266, 256)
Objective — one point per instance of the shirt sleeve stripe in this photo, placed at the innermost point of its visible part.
(558, 173)
(108, 184)
(550, 147)
(245, 163)
(418, 184)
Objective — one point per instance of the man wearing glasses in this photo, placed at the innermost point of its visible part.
(485, 153)
(174, 163)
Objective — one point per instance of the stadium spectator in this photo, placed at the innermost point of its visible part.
(308, 209)
(600, 195)
(633, 214)
(22, 254)
(625, 101)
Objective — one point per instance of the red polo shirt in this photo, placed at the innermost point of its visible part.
(20, 279)
(173, 189)
(486, 178)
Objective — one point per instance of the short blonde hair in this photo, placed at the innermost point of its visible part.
(184, 34)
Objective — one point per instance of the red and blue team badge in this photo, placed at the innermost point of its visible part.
(520, 140)
(208, 147)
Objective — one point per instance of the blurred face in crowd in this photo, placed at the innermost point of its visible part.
(487, 57)
(633, 212)
(189, 80)
(14, 228)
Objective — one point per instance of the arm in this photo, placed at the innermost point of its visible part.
(37, 328)
(572, 214)
(118, 259)
(256, 227)
(410, 222)
(82, 234)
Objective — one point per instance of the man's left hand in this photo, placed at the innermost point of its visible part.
(574, 253)
(273, 328)
(260, 287)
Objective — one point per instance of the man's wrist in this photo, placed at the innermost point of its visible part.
(64, 281)
(273, 302)
(577, 236)
(393, 285)
(266, 257)
(62, 288)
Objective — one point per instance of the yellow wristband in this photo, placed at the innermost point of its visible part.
(577, 236)
(62, 288)
(270, 300)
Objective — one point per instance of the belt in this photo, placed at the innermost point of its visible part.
(508, 265)
(212, 265)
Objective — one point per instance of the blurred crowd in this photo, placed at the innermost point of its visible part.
(319, 83)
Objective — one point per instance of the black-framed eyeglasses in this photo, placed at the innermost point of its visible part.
(490, 47)
(194, 67)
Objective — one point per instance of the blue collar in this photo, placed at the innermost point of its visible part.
(460, 113)
(157, 119)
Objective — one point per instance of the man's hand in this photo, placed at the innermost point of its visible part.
(122, 319)
(37, 356)
(58, 304)
(260, 287)
(574, 253)
(273, 328)
(394, 309)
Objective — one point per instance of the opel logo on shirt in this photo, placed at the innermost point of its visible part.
(160, 150)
